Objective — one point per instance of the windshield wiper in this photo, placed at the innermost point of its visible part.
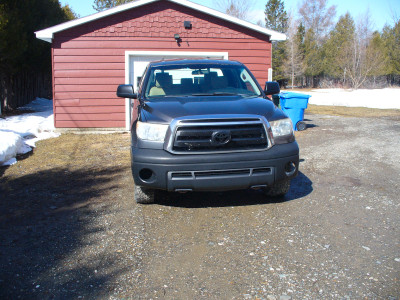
(215, 94)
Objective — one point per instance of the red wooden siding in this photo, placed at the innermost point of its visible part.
(89, 60)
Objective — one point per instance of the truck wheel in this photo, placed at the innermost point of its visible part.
(278, 189)
(143, 195)
(301, 126)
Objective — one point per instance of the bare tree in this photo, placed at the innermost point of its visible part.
(236, 8)
(318, 17)
(395, 15)
(101, 5)
(366, 57)
(353, 52)
(293, 65)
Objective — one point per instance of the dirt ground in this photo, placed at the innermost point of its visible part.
(69, 228)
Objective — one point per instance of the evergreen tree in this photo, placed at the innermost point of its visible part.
(299, 39)
(317, 19)
(276, 18)
(19, 19)
(394, 55)
(22, 56)
(376, 56)
(313, 58)
(391, 42)
(69, 13)
(279, 56)
(354, 54)
(338, 48)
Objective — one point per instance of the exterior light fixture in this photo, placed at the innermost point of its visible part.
(177, 39)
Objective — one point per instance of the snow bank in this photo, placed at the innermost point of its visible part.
(11, 144)
(19, 133)
(383, 98)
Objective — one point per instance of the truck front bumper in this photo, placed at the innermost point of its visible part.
(162, 170)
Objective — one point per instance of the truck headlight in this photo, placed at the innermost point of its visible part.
(282, 130)
(151, 131)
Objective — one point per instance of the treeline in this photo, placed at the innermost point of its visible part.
(321, 53)
(25, 63)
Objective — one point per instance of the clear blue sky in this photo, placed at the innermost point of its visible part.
(381, 11)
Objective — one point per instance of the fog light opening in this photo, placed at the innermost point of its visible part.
(146, 175)
(290, 168)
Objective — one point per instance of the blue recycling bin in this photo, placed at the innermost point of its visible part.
(294, 104)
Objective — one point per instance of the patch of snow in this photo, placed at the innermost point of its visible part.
(388, 98)
(18, 134)
(39, 104)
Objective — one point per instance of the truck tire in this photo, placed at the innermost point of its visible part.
(279, 189)
(143, 195)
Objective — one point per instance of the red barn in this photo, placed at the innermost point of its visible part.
(91, 56)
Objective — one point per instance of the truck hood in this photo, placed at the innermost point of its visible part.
(170, 108)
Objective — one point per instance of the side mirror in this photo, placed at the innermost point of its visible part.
(126, 91)
(272, 88)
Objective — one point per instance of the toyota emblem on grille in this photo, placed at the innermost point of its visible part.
(221, 137)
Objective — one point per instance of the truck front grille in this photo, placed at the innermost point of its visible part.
(220, 136)
(220, 173)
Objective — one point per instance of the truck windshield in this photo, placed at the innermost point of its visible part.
(200, 80)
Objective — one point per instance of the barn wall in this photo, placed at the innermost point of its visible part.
(89, 60)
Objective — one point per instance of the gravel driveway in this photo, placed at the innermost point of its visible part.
(69, 228)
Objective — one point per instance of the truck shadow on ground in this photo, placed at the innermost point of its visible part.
(301, 186)
(46, 219)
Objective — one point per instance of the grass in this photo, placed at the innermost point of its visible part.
(343, 111)
(92, 152)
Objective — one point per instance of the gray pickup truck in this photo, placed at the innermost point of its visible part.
(207, 125)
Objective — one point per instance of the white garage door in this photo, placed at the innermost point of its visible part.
(136, 62)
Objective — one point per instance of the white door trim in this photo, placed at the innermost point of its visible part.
(164, 54)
